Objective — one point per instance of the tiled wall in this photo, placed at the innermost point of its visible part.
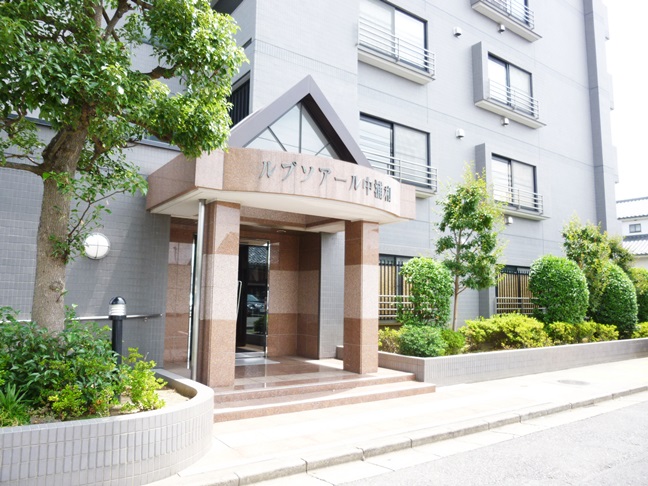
(470, 368)
(130, 449)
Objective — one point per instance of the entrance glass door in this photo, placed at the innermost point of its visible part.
(252, 322)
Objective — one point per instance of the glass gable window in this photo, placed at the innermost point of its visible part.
(296, 132)
(511, 85)
(399, 151)
(392, 32)
(514, 183)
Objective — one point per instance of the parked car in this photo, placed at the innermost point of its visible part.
(254, 305)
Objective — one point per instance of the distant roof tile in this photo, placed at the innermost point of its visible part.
(632, 208)
(637, 245)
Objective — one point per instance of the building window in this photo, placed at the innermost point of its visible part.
(515, 15)
(394, 291)
(635, 228)
(296, 132)
(394, 35)
(511, 86)
(240, 99)
(398, 151)
(514, 183)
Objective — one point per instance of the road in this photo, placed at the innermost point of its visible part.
(608, 449)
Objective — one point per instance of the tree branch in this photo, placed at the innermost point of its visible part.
(34, 169)
(122, 8)
(161, 72)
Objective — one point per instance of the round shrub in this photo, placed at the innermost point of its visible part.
(639, 277)
(421, 341)
(618, 303)
(505, 331)
(560, 290)
(584, 332)
(430, 290)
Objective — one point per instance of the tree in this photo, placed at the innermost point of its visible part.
(618, 302)
(69, 64)
(592, 249)
(472, 221)
(639, 277)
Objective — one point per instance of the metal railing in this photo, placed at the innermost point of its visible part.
(375, 38)
(509, 305)
(515, 10)
(404, 170)
(388, 305)
(518, 198)
(517, 101)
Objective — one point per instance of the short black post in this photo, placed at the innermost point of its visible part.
(117, 313)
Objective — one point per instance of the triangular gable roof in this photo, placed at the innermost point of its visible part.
(311, 96)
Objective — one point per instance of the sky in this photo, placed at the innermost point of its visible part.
(626, 60)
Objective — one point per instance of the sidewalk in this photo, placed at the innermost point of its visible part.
(258, 449)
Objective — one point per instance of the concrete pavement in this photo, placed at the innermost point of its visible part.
(260, 449)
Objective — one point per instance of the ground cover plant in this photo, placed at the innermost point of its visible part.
(72, 374)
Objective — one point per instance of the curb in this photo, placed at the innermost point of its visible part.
(278, 468)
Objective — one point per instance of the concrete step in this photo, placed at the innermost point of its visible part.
(311, 400)
(301, 384)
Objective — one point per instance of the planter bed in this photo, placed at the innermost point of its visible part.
(126, 449)
(474, 367)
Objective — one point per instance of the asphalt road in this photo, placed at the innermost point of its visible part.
(609, 449)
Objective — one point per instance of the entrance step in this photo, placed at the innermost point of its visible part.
(314, 396)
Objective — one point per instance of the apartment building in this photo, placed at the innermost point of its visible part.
(352, 118)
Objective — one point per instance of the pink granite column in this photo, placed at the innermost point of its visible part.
(361, 297)
(219, 294)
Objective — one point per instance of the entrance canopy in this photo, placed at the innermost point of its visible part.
(292, 164)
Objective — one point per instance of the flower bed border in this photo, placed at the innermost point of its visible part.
(126, 449)
(475, 367)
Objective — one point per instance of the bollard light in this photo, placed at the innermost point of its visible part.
(117, 313)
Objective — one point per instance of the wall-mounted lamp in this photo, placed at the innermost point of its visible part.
(457, 31)
(460, 133)
(508, 220)
(505, 121)
(501, 28)
(96, 246)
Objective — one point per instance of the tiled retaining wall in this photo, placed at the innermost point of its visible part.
(470, 368)
(130, 449)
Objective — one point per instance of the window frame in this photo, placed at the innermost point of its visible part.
(384, 48)
(501, 12)
(535, 206)
(634, 226)
(395, 161)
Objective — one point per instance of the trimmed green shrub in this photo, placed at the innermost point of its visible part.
(13, 408)
(560, 290)
(389, 340)
(431, 289)
(455, 341)
(421, 341)
(584, 332)
(639, 277)
(504, 331)
(618, 304)
(641, 331)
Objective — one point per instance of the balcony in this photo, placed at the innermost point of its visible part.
(407, 171)
(511, 103)
(382, 49)
(516, 18)
(518, 200)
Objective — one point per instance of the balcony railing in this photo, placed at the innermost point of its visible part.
(375, 38)
(518, 198)
(517, 101)
(509, 305)
(407, 171)
(515, 10)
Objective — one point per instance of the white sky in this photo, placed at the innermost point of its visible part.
(627, 63)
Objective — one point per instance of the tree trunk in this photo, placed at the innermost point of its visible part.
(456, 302)
(61, 156)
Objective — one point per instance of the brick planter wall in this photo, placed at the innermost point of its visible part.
(470, 368)
(130, 449)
